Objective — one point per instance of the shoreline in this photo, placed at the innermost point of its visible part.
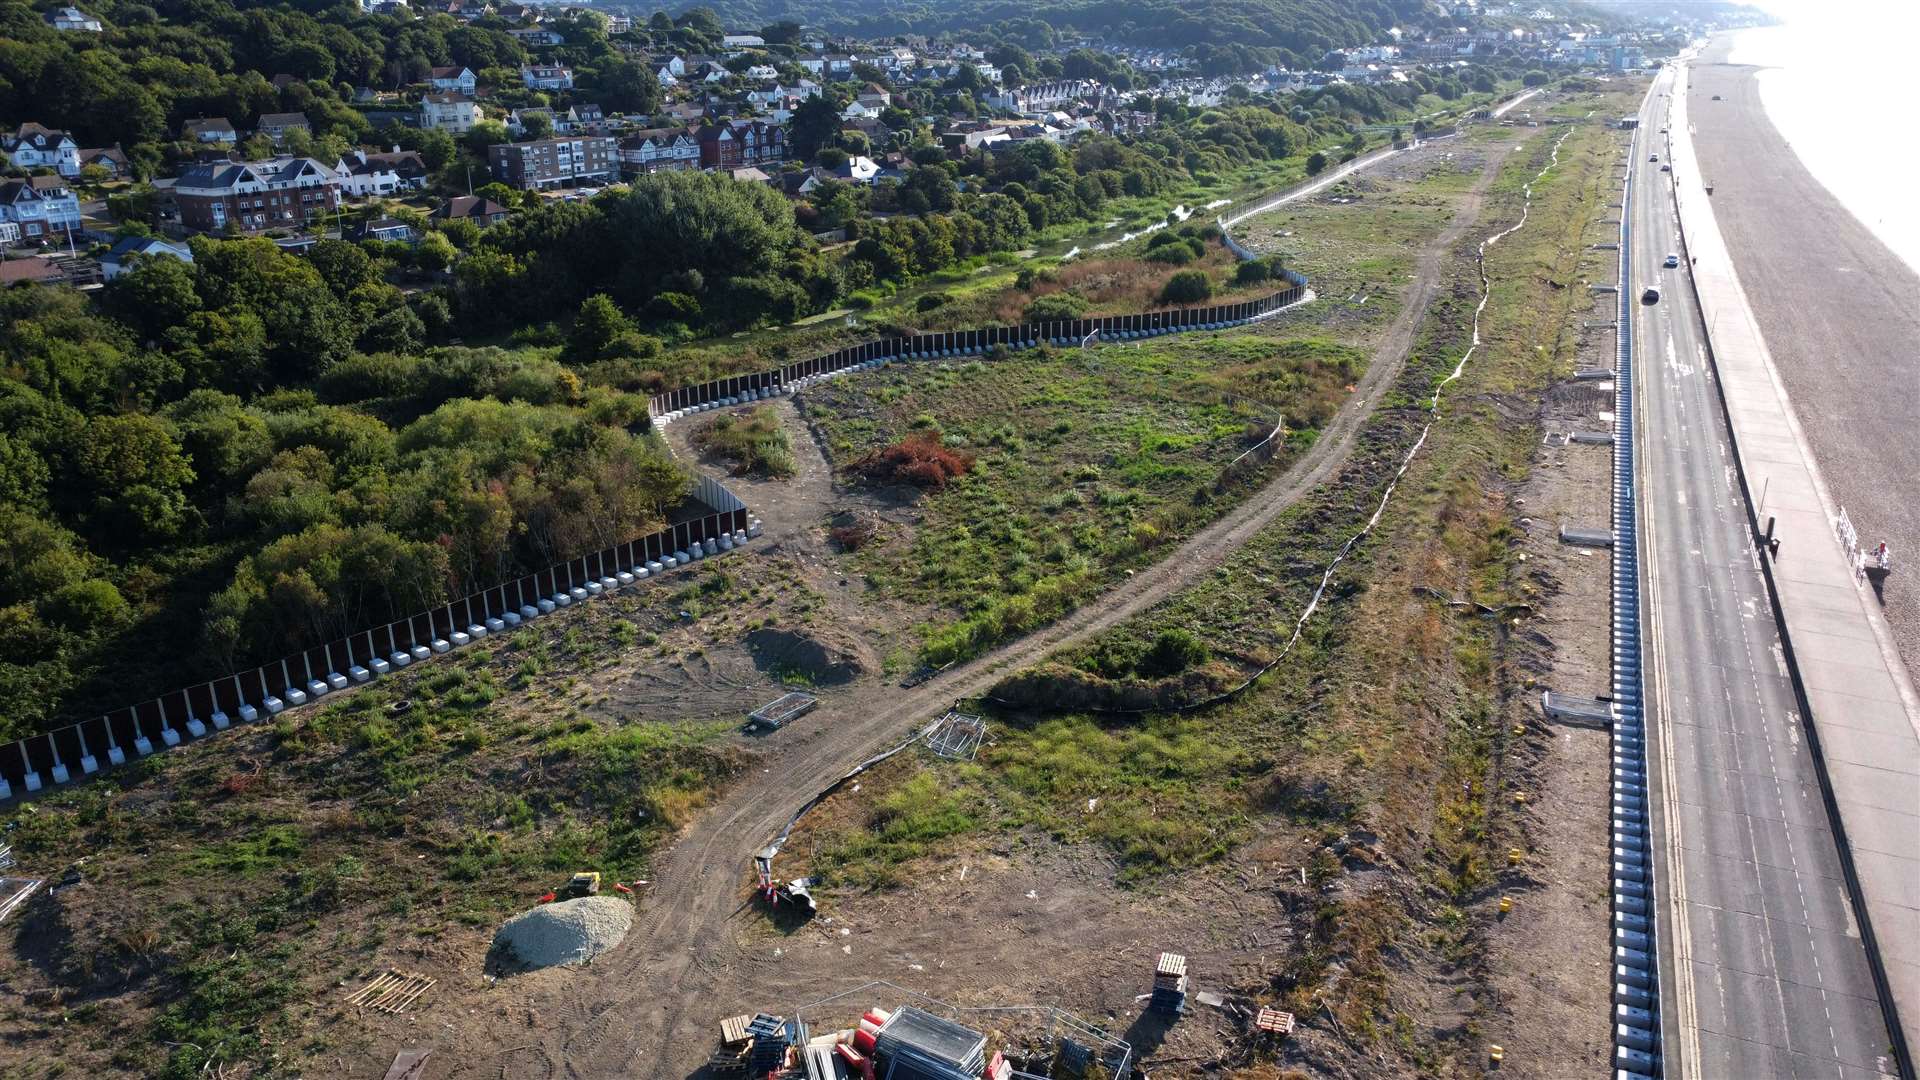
(1834, 304)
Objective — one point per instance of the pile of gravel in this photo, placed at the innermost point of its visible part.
(564, 932)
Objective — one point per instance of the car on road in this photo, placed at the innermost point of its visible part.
(1651, 296)
(1672, 259)
(1666, 168)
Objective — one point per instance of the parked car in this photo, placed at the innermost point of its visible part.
(1651, 296)
(1672, 259)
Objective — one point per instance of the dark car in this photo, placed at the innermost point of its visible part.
(1651, 296)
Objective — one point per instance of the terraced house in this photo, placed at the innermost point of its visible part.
(253, 195)
(742, 142)
(659, 150)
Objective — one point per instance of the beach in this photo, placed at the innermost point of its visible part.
(1840, 311)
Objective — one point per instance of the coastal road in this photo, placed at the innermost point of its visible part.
(1763, 972)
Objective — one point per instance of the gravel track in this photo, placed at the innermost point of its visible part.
(638, 1011)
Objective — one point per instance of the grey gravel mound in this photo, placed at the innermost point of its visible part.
(564, 932)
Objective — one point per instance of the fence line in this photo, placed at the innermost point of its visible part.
(736, 389)
(166, 721)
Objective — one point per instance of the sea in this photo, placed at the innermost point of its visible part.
(1840, 91)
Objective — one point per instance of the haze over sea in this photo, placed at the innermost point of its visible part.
(1841, 97)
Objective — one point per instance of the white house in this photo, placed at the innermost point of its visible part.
(546, 77)
(743, 41)
(453, 80)
(539, 37)
(363, 174)
(121, 258)
(454, 114)
(72, 18)
(659, 150)
(40, 205)
(36, 147)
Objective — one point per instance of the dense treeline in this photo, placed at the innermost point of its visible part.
(219, 462)
(1225, 35)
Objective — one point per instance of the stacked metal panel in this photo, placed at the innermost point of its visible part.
(916, 1045)
(1169, 985)
(769, 1044)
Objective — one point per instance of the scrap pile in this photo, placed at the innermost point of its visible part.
(1169, 985)
(905, 1044)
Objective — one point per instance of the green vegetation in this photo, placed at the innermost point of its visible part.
(219, 463)
(752, 442)
(1085, 464)
(223, 903)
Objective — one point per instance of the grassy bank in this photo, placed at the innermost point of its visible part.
(1381, 748)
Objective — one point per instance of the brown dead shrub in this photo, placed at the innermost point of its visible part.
(920, 460)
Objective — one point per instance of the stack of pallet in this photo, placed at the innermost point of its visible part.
(1169, 985)
(735, 1046)
(769, 1034)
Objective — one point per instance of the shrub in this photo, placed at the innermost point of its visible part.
(1161, 239)
(1174, 650)
(921, 460)
(932, 300)
(1171, 254)
(1063, 305)
(1187, 287)
(1252, 272)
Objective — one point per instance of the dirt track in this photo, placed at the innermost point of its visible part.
(641, 1009)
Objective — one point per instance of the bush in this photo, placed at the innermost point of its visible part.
(931, 301)
(1252, 272)
(1171, 254)
(921, 460)
(1187, 287)
(1174, 651)
(1063, 305)
(85, 606)
(1162, 239)
(1316, 163)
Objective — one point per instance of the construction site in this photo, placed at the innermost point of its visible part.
(1186, 720)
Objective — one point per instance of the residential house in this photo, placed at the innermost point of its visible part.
(748, 174)
(43, 206)
(873, 96)
(276, 125)
(482, 212)
(363, 174)
(587, 117)
(110, 158)
(675, 66)
(35, 147)
(659, 150)
(539, 37)
(743, 41)
(252, 195)
(34, 271)
(212, 130)
(121, 259)
(741, 142)
(666, 78)
(761, 73)
(547, 77)
(9, 233)
(72, 18)
(386, 228)
(857, 169)
(453, 80)
(619, 24)
(454, 114)
(545, 163)
(685, 112)
(897, 58)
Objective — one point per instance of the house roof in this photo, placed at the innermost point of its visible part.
(35, 136)
(469, 206)
(146, 245)
(230, 174)
(110, 153)
(208, 123)
(19, 271)
(453, 72)
(377, 225)
(284, 119)
(362, 163)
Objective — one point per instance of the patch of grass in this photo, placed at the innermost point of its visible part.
(752, 442)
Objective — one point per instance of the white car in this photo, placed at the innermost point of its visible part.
(1673, 260)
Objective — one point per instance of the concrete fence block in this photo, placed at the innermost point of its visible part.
(359, 674)
(655, 566)
(441, 645)
(593, 588)
(336, 681)
(293, 697)
(59, 773)
(608, 584)
(624, 577)
(248, 714)
(475, 632)
(172, 738)
(89, 765)
(496, 623)
(143, 745)
(561, 599)
(31, 780)
(547, 605)
(6, 789)
(578, 593)
(196, 727)
(378, 667)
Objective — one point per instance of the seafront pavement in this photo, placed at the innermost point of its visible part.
(1865, 712)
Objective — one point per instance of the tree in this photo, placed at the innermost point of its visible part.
(1535, 77)
(1187, 287)
(814, 125)
(435, 253)
(598, 330)
(134, 477)
(1316, 163)
(535, 126)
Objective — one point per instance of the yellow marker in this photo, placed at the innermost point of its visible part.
(1519, 729)
(1506, 904)
(1514, 856)
(1519, 797)
(1496, 1053)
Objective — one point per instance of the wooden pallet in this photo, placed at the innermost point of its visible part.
(1274, 1022)
(391, 991)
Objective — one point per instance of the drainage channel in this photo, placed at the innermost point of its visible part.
(1636, 972)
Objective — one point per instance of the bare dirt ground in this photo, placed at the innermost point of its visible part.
(1547, 964)
(647, 1007)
